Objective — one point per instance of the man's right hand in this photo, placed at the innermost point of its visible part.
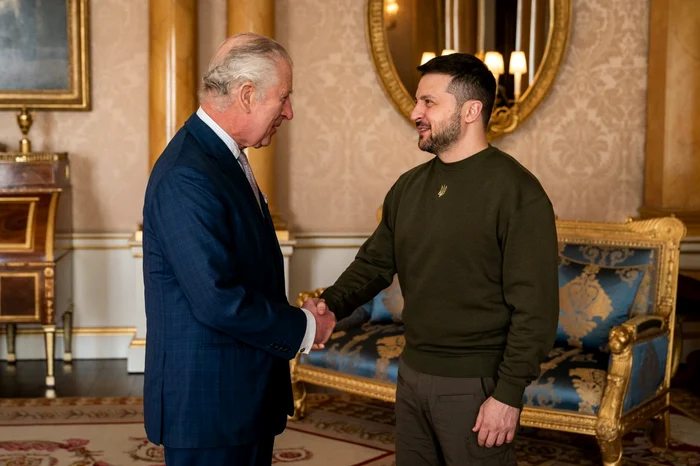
(325, 321)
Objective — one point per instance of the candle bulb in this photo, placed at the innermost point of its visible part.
(427, 56)
(494, 62)
(517, 66)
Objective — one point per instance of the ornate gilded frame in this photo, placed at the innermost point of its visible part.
(77, 96)
(663, 234)
(503, 119)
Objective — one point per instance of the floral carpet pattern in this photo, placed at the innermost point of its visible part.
(340, 430)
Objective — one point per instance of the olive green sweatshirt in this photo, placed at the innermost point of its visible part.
(475, 248)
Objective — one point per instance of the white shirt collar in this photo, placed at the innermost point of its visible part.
(223, 135)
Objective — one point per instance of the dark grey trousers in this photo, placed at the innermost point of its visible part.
(434, 421)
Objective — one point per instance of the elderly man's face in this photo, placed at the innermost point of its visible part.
(269, 113)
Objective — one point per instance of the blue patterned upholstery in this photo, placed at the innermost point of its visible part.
(387, 306)
(608, 256)
(371, 351)
(648, 370)
(592, 300)
(571, 379)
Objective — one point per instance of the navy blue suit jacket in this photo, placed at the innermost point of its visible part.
(220, 331)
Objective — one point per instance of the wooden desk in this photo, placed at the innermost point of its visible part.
(35, 203)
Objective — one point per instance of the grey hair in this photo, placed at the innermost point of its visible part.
(254, 60)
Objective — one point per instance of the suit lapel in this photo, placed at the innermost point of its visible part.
(215, 147)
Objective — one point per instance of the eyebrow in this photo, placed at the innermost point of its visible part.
(426, 97)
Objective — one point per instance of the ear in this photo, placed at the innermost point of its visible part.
(472, 111)
(246, 95)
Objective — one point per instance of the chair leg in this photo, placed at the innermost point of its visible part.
(299, 392)
(50, 342)
(611, 451)
(68, 337)
(661, 430)
(11, 336)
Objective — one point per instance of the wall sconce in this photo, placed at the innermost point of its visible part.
(392, 10)
(494, 62)
(517, 67)
(448, 51)
(427, 56)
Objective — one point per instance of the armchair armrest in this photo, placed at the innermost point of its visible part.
(635, 330)
(304, 295)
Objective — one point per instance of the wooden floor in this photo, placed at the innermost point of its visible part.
(86, 377)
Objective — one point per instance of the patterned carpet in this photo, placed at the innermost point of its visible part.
(340, 430)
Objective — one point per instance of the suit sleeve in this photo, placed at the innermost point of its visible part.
(372, 270)
(192, 227)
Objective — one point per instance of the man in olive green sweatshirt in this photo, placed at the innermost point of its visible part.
(472, 236)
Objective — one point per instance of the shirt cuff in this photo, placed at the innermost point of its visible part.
(310, 334)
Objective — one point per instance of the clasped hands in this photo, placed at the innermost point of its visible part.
(325, 321)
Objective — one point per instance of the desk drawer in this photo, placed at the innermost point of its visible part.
(27, 174)
(24, 291)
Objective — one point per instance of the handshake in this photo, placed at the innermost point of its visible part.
(325, 321)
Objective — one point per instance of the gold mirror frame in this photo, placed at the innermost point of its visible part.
(503, 119)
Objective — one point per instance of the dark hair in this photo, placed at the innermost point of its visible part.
(471, 79)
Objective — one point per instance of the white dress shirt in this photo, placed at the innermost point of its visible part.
(310, 334)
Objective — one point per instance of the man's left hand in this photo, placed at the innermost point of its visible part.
(496, 423)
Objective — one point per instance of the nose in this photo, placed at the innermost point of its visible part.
(287, 111)
(417, 113)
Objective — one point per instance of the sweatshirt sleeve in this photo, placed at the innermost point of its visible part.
(372, 270)
(531, 290)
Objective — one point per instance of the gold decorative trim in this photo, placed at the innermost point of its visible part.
(384, 391)
(557, 420)
(138, 343)
(33, 157)
(84, 236)
(77, 97)
(23, 190)
(642, 413)
(327, 246)
(97, 247)
(508, 120)
(51, 224)
(302, 236)
(85, 331)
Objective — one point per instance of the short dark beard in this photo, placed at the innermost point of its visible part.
(439, 142)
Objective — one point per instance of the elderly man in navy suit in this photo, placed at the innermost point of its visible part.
(220, 331)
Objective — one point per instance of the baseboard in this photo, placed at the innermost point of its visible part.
(96, 343)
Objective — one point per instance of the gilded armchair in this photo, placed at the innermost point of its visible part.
(613, 359)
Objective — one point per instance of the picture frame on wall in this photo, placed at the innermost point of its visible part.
(44, 54)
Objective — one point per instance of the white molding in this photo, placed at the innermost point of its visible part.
(320, 258)
(107, 289)
(84, 346)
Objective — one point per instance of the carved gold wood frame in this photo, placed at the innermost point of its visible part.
(77, 97)
(504, 119)
(663, 234)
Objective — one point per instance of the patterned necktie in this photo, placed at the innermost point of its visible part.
(251, 178)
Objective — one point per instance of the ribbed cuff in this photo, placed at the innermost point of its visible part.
(509, 393)
(332, 302)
